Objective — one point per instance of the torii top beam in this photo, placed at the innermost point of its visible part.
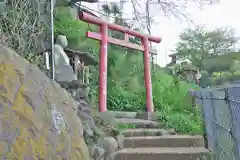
(94, 20)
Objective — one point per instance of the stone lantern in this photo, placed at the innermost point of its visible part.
(189, 73)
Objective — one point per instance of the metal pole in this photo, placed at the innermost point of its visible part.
(147, 76)
(149, 28)
(103, 69)
(52, 36)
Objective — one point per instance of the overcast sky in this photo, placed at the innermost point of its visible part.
(225, 14)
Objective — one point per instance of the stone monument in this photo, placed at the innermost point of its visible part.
(63, 70)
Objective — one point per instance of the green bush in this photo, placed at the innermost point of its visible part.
(171, 101)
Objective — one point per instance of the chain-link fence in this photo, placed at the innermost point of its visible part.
(221, 114)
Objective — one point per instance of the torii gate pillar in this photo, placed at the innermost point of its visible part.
(105, 39)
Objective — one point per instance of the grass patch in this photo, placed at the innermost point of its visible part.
(122, 126)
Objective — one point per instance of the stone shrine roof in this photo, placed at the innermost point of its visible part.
(84, 56)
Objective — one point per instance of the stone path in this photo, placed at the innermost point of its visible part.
(148, 142)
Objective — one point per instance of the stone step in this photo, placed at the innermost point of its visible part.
(141, 132)
(164, 141)
(138, 123)
(148, 115)
(120, 114)
(162, 154)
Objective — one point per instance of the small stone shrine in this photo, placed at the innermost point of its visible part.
(80, 61)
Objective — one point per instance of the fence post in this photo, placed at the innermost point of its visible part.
(228, 100)
(205, 134)
(213, 126)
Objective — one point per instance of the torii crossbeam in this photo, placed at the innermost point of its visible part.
(103, 37)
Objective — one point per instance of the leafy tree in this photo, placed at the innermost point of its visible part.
(112, 9)
(199, 44)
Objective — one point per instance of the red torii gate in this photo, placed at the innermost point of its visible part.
(105, 39)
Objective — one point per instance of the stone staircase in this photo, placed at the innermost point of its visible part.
(147, 141)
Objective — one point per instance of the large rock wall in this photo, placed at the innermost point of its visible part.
(38, 119)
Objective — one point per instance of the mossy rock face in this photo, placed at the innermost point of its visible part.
(38, 119)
